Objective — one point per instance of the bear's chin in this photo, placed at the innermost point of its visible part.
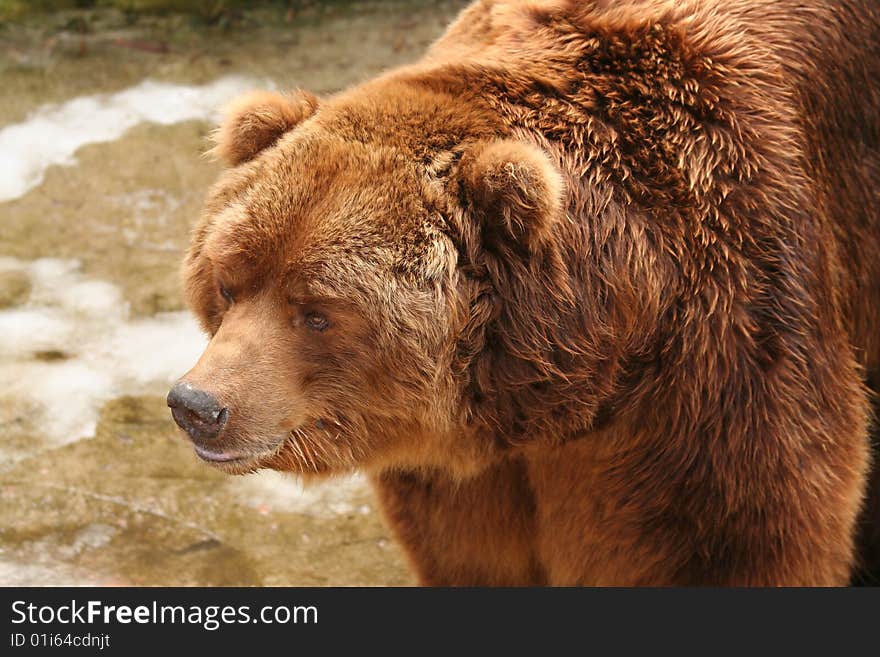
(311, 459)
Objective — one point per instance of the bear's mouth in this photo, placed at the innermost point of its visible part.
(237, 461)
(220, 457)
(298, 450)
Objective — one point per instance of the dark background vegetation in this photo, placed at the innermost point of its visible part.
(221, 12)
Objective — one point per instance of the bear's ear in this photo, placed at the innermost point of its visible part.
(257, 120)
(515, 191)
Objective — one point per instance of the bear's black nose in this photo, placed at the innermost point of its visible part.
(196, 411)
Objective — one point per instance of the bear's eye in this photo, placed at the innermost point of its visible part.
(226, 294)
(317, 321)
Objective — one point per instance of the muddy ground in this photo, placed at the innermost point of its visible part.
(96, 485)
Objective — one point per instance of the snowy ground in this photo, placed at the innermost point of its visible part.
(100, 182)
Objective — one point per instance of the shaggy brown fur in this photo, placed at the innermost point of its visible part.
(591, 291)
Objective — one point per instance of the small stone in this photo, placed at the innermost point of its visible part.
(50, 355)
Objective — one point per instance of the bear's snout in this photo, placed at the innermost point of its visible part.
(197, 412)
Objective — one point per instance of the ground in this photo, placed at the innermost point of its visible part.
(96, 484)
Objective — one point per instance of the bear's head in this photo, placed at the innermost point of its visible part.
(348, 269)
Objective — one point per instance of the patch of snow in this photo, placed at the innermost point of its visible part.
(53, 133)
(276, 491)
(13, 573)
(96, 351)
(91, 537)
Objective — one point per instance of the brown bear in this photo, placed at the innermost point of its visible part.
(591, 291)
